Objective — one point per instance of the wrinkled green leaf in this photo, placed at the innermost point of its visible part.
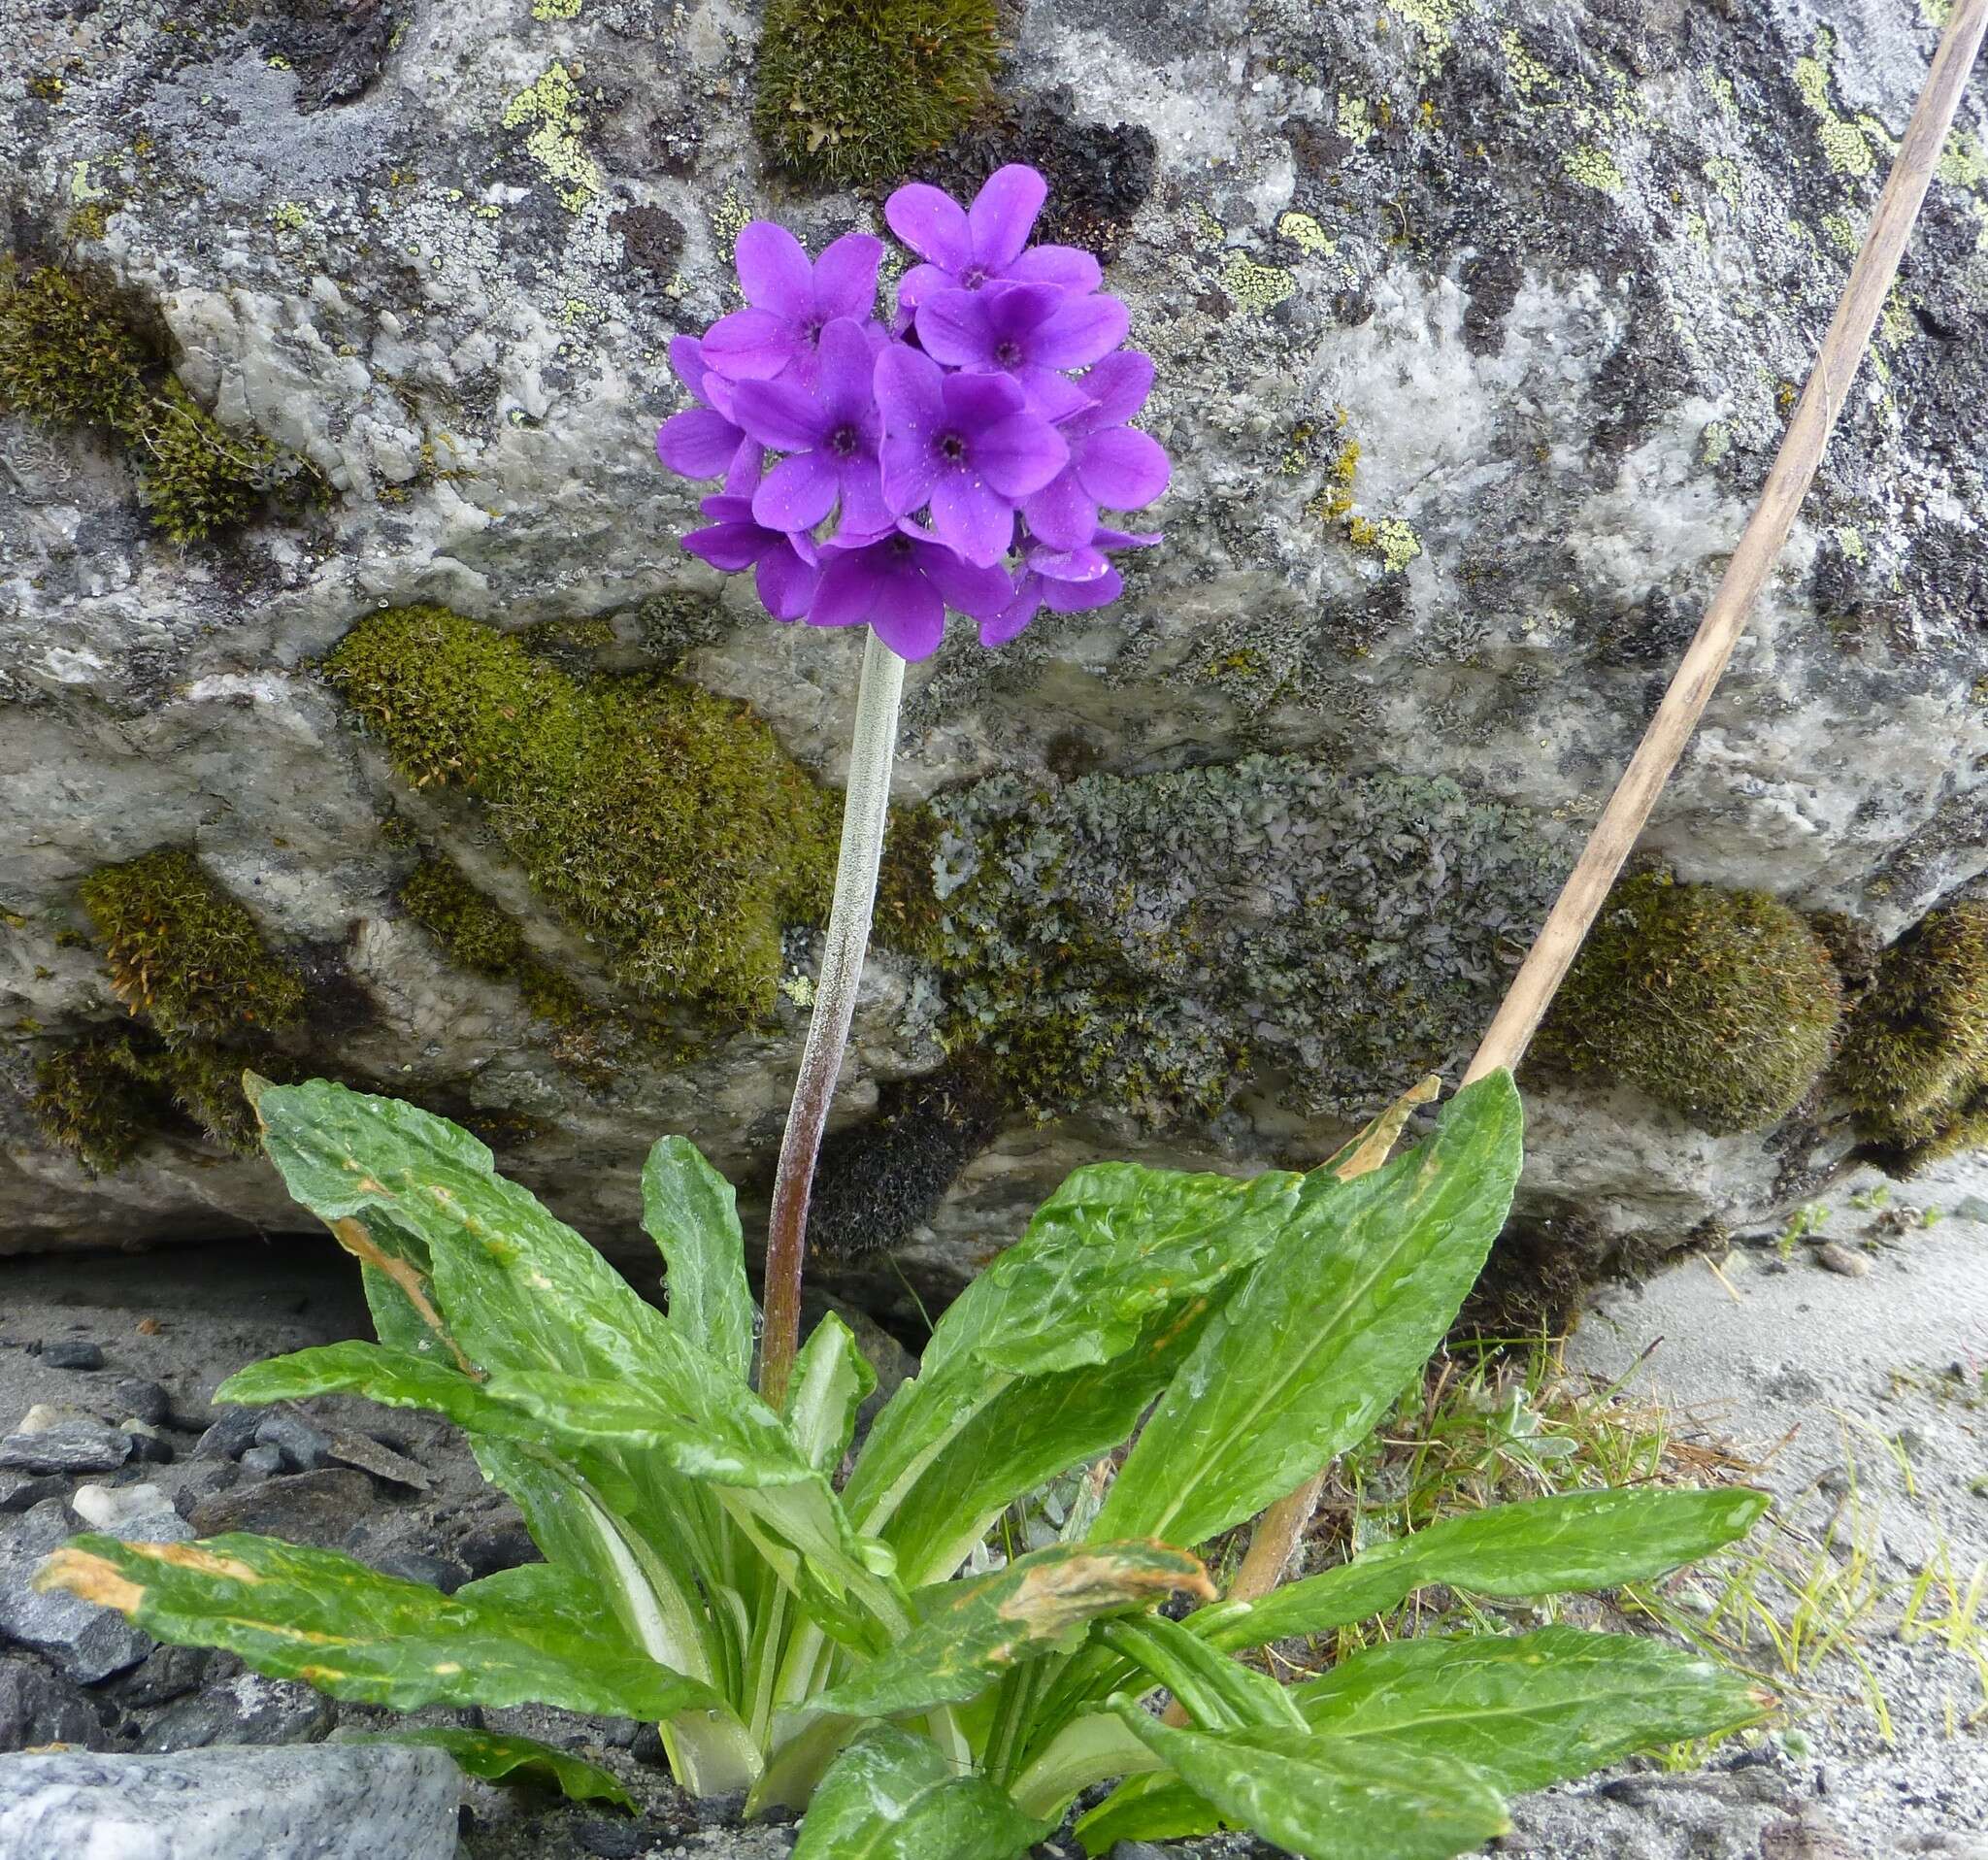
(893, 1796)
(318, 1615)
(1539, 1547)
(1525, 1710)
(692, 1212)
(831, 1380)
(495, 1757)
(1330, 1798)
(395, 1378)
(1326, 1329)
(1218, 1693)
(968, 1632)
(1104, 1263)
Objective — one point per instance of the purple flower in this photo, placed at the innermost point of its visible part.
(1065, 581)
(1111, 463)
(902, 582)
(791, 301)
(1029, 331)
(831, 431)
(787, 567)
(965, 444)
(968, 246)
(704, 440)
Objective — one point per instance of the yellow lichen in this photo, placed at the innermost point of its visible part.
(1255, 289)
(1307, 234)
(548, 108)
(1594, 167)
(1398, 543)
(1842, 143)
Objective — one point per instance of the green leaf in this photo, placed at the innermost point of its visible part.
(297, 1614)
(831, 1380)
(1218, 1693)
(1539, 1547)
(893, 1796)
(1324, 1332)
(1327, 1798)
(968, 1632)
(494, 1757)
(1105, 1261)
(396, 1378)
(690, 1211)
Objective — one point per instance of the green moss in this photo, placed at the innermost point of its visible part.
(69, 356)
(853, 92)
(1721, 1004)
(183, 952)
(479, 936)
(665, 823)
(1914, 1060)
(103, 1096)
(1153, 942)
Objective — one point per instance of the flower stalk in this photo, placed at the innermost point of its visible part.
(865, 811)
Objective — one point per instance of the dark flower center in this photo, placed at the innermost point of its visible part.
(844, 442)
(951, 448)
(973, 277)
(810, 330)
(1008, 354)
(899, 545)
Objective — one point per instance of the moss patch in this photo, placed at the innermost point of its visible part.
(1152, 942)
(69, 356)
(663, 821)
(853, 92)
(1721, 1004)
(479, 936)
(1914, 1060)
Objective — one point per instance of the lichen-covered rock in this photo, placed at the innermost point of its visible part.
(1476, 329)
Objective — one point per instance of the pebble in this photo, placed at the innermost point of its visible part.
(262, 1462)
(70, 1447)
(611, 1839)
(303, 1508)
(45, 1415)
(39, 1707)
(332, 1801)
(27, 1492)
(147, 1443)
(1832, 1257)
(230, 1437)
(375, 1456)
(109, 1507)
(148, 1401)
(498, 1547)
(86, 1641)
(165, 1673)
(304, 1449)
(73, 1353)
(246, 1710)
(417, 1566)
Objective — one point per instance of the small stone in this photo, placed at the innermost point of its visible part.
(38, 1707)
(317, 1509)
(27, 1491)
(332, 1801)
(86, 1641)
(417, 1566)
(230, 1437)
(109, 1507)
(147, 1443)
(304, 1447)
(610, 1840)
(73, 1353)
(148, 1401)
(45, 1416)
(1832, 1257)
(165, 1673)
(382, 1461)
(262, 1462)
(247, 1708)
(498, 1547)
(71, 1448)
(149, 1327)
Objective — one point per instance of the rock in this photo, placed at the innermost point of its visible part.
(165, 1673)
(375, 1456)
(499, 1546)
(247, 1708)
(148, 1444)
(262, 1462)
(110, 1508)
(302, 1447)
(330, 1802)
(231, 1436)
(71, 1448)
(149, 1402)
(38, 1707)
(44, 1417)
(86, 1641)
(620, 1840)
(302, 1508)
(73, 1353)
(1832, 1257)
(419, 1566)
(26, 1492)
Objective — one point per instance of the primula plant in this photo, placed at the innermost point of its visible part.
(826, 1627)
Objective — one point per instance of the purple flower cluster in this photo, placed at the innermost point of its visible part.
(957, 458)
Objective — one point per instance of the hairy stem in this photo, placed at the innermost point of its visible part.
(864, 812)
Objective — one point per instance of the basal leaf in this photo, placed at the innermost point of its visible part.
(1539, 1547)
(690, 1211)
(968, 1632)
(318, 1615)
(831, 1380)
(1327, 1798)
(396, 1378)
(1219, 1693)
(1325, 1330)
(894, 1796)
(496, 1758)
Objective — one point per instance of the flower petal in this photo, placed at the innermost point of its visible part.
(972, 518)
(797, 493)
(730, 547)
(977, 400)
(1076, 597)
(847, 373)
(846, 594)
(1068, 267)
(687, 360)
(910, 389)
(1003, 213)
(1121, 467)
(781, 415)
(1019, 455)
(909, 473)
(978, 591)
(919, 283)
(864, 511)
(750, 345)
(954, 327)
(773, 271)
(909, 616)
(786, 584)
(1077, 331)
(846, 276)
(1119, 385)
(1080, 564)
(743, 473)
(697, 443)
(1062, 513)
(1016, 615)
(932, 223)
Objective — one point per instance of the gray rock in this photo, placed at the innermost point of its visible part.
(247, 1708)
(330, 1802)
(26, 1492)
(88, 1643)
(231, 1436)
(165, 1673)
(262, 1462)
(1832, 1257)
(303, 1507)
(116, 1508)
(73, 1353)
(419, 1566)
(39, 1707)
(71, 1448)
(304, 1447)
(497, 1546)
(148, 1401)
